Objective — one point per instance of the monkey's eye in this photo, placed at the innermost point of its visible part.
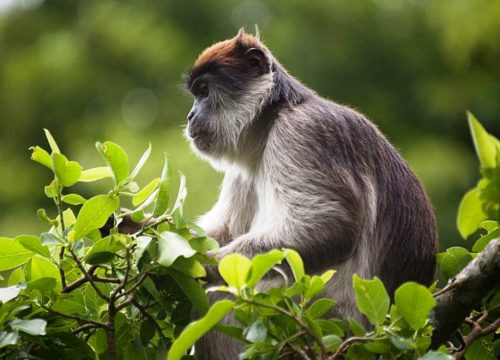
(200, 88)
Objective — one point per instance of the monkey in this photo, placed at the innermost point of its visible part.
(305, 173)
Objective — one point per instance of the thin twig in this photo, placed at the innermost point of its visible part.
(125, 302)
(76, 317)
(141, 278)
(476, 332)
(83, 328)
(61, 271)
(301, 353)
(79, 282)
(89, 277)
(116, 293)
(343, 347)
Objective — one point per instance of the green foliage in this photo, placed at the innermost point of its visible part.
(291, 319)
(372, 299)
(478, 214)
(483, 201)
(81, 289)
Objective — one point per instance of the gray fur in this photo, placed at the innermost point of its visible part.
(306, 173)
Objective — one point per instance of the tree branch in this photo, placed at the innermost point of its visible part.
(465, 292)
(476, 332)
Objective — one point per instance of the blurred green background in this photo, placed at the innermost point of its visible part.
(112, 70)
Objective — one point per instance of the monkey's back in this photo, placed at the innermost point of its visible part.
(397, 226)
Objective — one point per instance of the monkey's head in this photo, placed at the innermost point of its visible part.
(230, 82)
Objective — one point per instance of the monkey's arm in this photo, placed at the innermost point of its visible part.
(233, 212)
(322, 221)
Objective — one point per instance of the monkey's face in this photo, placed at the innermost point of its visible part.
(229, 82)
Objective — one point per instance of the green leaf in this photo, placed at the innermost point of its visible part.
(33, 243)
(330, 328)
(371, 298)
(49, 239)
(68, 217)
(16, 277)
(479, 350)
(12, 254)
(483, 142)
(32, 327)
(295, 289)
(480, 244)
(41, 156)
(414, 302)
(178, 210)
(9, 293)
(137, 216)
(42, 215)
(204, 244)
(262, 263)
(378, 347)
(320, 307)
(95, 174)
(146, 191)
(141, 163)
(453, 260)
(103, 251)
(435, 355)
(190, 267)
(70, 303)
(294, 260)
(470, 213)
(44, 285)
(44, 268)
(51, 190)
(197, 329)
(116, 158)
(93, 215)
(257, 332)
(402, 343)
(52, 142)
(356, 327)
(332, 342)
(147, 331)
(170, 246)
(93, 301)
(316, 286)
(489, 225)
(234, 269)
(73, 199)
(327, 275)
(8, 338)
(67, 172)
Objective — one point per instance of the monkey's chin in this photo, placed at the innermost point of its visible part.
(204, 147)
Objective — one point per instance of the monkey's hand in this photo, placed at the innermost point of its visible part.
(213, 277)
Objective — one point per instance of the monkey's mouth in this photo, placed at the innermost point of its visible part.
(201, 139)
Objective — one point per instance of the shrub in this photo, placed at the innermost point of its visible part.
(92, 287)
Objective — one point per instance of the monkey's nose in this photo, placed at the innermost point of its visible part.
(190, 115)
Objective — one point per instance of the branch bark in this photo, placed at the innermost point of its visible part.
(465, 292)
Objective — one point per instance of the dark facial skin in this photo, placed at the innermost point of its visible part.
(199, 114)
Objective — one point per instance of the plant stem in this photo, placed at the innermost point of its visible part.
(110, 331)
(476, 332)
(63, 227)
(77, 317)
(343, 347)
(89, 277)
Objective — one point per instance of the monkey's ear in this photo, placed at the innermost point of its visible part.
(257, 60)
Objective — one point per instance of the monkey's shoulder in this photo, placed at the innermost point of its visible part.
(322, 124)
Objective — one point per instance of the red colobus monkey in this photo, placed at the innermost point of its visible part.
(305, 173)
